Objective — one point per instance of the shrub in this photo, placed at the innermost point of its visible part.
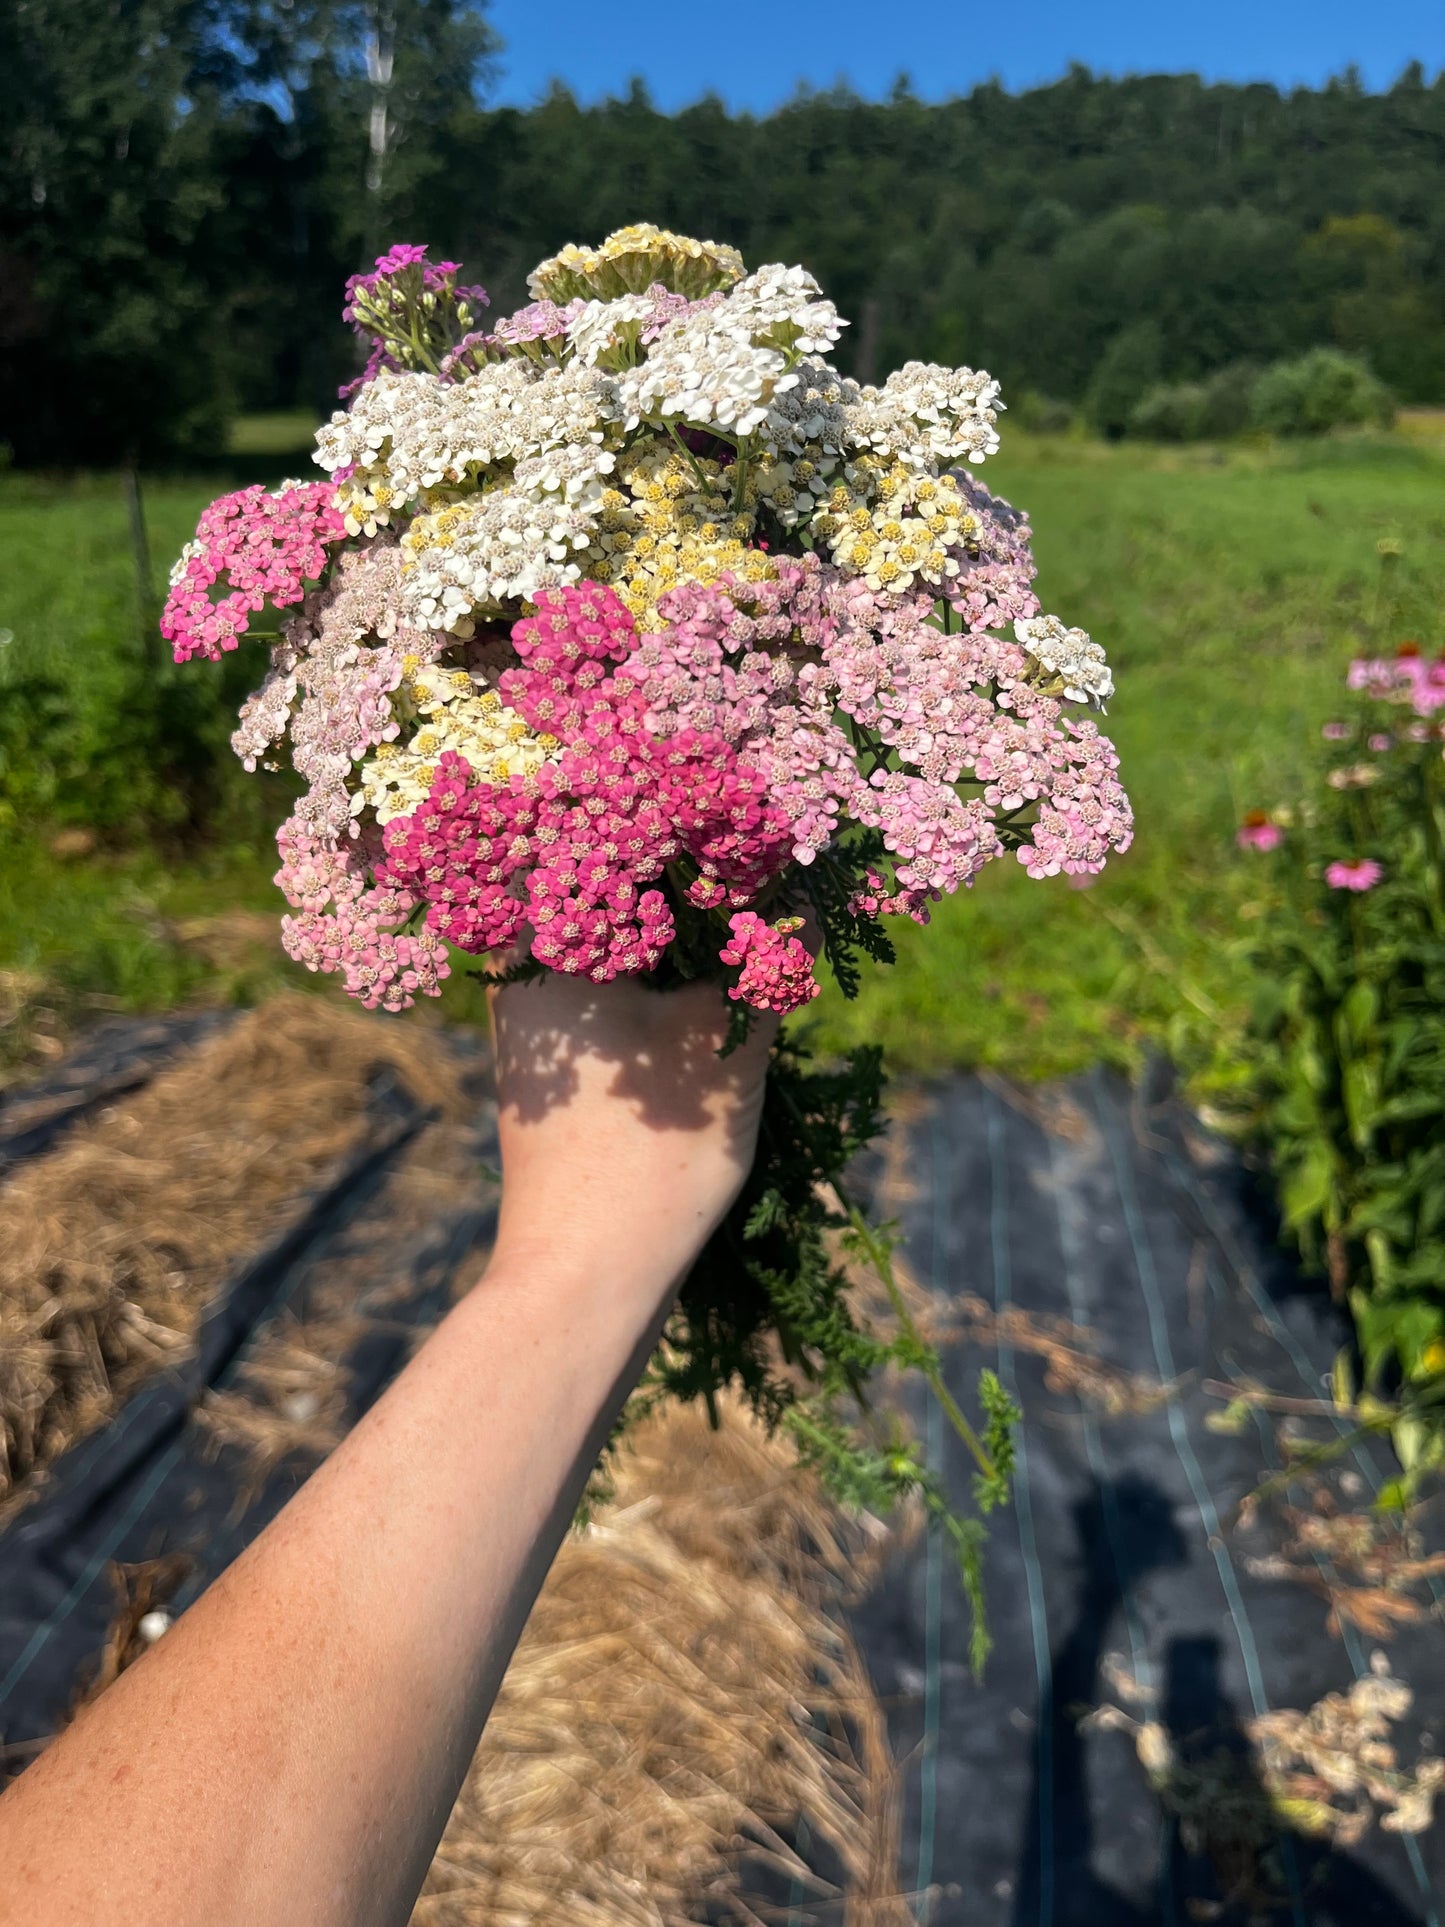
(1127, 370)
(1041, 414)
(1193, 411)
(1317, 392)
(131, 749)
(1171, 412)
(1350, 1034)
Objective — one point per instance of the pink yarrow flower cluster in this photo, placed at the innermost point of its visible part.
(776, 966)
(257, 548)
(570, 852)
(774, 666)
(352, 927)
(994, 584)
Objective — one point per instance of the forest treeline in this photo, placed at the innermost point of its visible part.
(187, 183)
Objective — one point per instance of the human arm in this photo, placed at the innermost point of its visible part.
(290, 1751)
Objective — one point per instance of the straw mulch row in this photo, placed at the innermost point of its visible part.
(683, 1696)
(113, 1245)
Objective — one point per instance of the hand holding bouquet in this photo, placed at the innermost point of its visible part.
(630, 638)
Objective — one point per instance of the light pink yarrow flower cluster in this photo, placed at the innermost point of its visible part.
(994, 584)
(774, 665)
(256, 547)
(352, 927)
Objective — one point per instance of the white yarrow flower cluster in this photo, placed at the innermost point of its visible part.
(701, 373)
(504, 470)
(924, 414)
(813, 412)
(418, 433)
(1068, 656)
(781, 307)
(603, 329)
(488, 549)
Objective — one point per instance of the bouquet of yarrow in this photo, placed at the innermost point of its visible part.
(626, 635)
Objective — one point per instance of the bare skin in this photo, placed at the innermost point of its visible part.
(288, 1754)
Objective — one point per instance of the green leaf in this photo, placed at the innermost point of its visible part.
(1309, 1187)
(1359, 1010)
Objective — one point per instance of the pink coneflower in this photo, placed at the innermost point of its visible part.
(1379, 744)
(1363, 874)
(1257, 832)
(1335, 732)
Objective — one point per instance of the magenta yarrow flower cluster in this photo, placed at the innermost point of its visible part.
(378, 306)
(776, 966)
(630, 632)
(570, 851)
(256, 548)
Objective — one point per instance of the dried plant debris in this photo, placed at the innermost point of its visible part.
(1331, 1772)
(1334, 1768)
(1052, 1107)
(143, 1597)
(1072, 1365)
(113, 1245)
(290, 1399)
(1367, 1565)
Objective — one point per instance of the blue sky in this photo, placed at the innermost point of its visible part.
(755, 52)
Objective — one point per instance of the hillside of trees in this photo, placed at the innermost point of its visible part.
(185, 184)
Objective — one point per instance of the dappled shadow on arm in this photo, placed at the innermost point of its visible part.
(657, 1050)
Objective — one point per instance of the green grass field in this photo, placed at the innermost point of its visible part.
(1229, 588)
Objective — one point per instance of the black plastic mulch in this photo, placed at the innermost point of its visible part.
(1081, 1202)
(1126, 1218)
(118, 1057)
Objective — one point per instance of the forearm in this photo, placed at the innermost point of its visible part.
(291, 1750)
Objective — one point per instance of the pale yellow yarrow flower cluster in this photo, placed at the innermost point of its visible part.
(631, 260)
(366, 503)
(672, 519)
(460, 713)
(893, 525)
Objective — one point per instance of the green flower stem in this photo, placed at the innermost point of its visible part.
(880, 1258)
(702, 480)
(740, 473)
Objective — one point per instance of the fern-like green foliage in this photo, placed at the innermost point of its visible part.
(768, 1311)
